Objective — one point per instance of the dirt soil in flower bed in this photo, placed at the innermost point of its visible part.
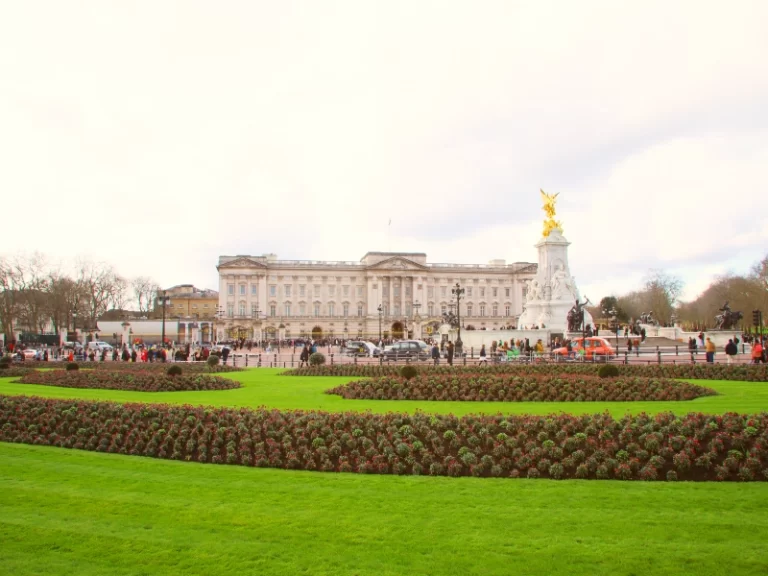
(742, 372)
(139, 381)
(154, 367)
(636, 447)
(521, 388)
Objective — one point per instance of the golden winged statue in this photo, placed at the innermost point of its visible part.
(549, 209)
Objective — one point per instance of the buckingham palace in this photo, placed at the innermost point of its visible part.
(392, 294)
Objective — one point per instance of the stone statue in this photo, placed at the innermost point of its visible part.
(562, 284)
(451, 319)
(647, 318)
(728, 319)
(549, 209)
(576, 315)
(534, 290)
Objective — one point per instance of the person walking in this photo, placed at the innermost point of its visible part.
(757, 352)
(731, 350)
(710, 350)
(449, 349)
(304, 356)
(435, 353)
(483, 359)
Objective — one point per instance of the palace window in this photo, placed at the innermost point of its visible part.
(495, 292)
(272, 290)
(385, 290)
(397, 309)
(506, 311)
(254, 310)
(469, 309)
(408, 310)
(482, 292)
(331, 309)
(302, 290)
(482, 309)
(346, 310)
(317, 310)
(331, 291)
(443, 310)
(397, 291)
(495, 310)
(288, 291)
(359, 291)
(317, 290)
(443, 291)
(407, 290)
(430, 309)
(360, 310)
(254, 289)
(287, 309)
(469, 291)
(272, 310)
(241, 309)
(242, 289)
(430, 291)
(302, 310)
(506, 292)
(345, 290)
(230, 310)
(231, 289)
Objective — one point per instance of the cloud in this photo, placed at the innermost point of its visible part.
(159, 135)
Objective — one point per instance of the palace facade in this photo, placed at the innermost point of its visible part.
(392, 294)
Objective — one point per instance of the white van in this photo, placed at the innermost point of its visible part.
(99, 346)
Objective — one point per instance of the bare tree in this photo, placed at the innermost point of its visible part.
(10, 296)
(100, 285)
(144, 290)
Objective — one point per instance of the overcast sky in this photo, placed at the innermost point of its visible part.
(158, 135)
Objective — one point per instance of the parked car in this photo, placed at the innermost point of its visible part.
(100, 346)
(410, 349)
(596, 347)
(29, 353)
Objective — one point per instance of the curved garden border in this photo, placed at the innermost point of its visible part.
(141, 381)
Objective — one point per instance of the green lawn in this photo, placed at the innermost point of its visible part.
(265, 387)
(71, 512)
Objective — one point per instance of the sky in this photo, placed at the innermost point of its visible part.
(157, 135)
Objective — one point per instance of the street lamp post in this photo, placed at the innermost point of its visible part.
(615, 326)
(458, 292)
(166, 301)
(416, 305)
(381, 313)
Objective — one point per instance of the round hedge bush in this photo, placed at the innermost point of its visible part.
(5, 362)
(408, 372)
(608, 371)
(213, 360)
(316, 359)
(174, 370)
(72, 366)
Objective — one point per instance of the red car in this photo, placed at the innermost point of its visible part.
(596, 347)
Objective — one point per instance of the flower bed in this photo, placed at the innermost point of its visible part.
(744, 372)
(665, 446)
(14, 372)
(139, 381)
(148, 367)
(520, 388)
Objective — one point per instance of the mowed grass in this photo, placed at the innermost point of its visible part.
(71, 512)
(266, 387)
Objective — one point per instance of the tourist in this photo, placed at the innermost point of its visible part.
(449, 353)
(710, 350)
(482, 355)
(304, 356)
(730, 351)
(435, 353)
(757, 352)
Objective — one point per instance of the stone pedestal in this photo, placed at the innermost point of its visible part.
(552, 294)
(720, 338)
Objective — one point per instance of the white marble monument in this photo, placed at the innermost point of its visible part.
(553, 292)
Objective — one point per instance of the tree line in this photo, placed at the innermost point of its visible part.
(38, 297)
(661, 292)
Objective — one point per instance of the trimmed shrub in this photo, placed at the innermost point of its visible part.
(608, 371)
(213, 360)
(72, 366)
(408, 372)
(174, 370)
(316, 359)
(5, 362)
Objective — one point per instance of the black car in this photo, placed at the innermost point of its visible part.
(410, 349)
